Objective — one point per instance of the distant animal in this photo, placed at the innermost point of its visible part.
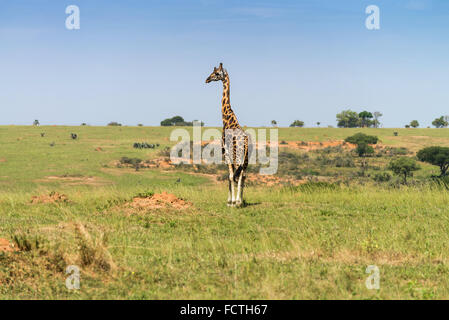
(42, 134)
(235, 142)
(74, 136)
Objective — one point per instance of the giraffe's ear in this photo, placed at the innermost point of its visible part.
(215, 69)
(221, 66)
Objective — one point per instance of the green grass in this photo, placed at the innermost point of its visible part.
(288, 243)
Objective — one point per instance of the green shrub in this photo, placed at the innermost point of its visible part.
(382, 177)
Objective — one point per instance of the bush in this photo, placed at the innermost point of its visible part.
(114, 124)
(344, 162)
(145, 145)
(134, 162)
(382, 177)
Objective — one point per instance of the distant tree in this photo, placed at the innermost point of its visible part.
(376, 121)
(114, 124)
(318, 124)
(407, 126)
(348, 119)
(440, 122)
(359, 138)
(274, 123)
(36, 123)
(437, 156)
(177, 121)
(414, 124)
(84, 124)
(363, 149)
(140, 125)
(403, 166)
(365, 119)
(297, 123)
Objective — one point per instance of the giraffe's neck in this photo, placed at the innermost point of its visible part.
(229, 118)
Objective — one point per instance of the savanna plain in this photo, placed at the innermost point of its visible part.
(138, 227)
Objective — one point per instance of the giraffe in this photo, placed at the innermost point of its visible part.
(234, 143)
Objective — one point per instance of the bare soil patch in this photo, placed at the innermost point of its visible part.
(162, 200)
(271, 180)
(53, 197)
(6, 246)
(315, 145)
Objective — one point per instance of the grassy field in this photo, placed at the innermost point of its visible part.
(287, 243)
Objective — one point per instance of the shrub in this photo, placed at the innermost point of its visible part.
(134, 162)
(114, 124)
(145, 145)
(344, 162)
(382, 177)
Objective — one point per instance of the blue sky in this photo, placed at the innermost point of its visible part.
(140, 61)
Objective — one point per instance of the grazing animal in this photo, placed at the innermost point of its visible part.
(235, 142)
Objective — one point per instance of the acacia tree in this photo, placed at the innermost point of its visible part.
(376, 121)
(364, 147)
(348, 119)
(274, 123)
(365, 119)
(437, 156)
(414, 124)
(403, 166)
(440, 122)
(297, 123)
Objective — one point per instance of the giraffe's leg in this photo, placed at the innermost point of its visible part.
(239, 200)
(231, 198)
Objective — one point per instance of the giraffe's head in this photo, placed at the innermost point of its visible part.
(218, 74)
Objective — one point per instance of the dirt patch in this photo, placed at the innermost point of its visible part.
(271, 180)
(315, 145)
(53, 197)
(6, 246)
(74, 180)
(162, 200)
(2, 160)
(99, 149)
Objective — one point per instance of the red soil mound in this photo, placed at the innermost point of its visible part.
(6, 246)
(159, 201)
(51, 198)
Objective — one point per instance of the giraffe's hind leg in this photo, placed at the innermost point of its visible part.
(239, 200)
(231, 195)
